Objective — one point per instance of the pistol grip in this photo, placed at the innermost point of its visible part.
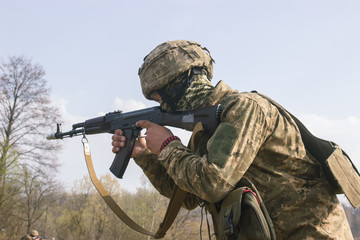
(122, 158)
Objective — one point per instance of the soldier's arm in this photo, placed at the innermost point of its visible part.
(231, 150)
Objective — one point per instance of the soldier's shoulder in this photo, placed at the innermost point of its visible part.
(252, 97)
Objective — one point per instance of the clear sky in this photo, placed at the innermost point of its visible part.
(304, 54)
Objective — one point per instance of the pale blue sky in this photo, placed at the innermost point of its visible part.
(304, 54)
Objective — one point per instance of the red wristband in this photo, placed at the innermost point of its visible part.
(167, 141)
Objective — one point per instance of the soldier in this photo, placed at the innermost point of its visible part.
(255, 140)
(34, 234)
(26, 237)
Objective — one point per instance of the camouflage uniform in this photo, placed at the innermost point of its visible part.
(255, 141)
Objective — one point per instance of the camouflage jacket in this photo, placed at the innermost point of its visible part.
(254, 141)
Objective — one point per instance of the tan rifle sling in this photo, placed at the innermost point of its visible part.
(176, 200)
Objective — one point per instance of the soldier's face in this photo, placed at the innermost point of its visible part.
(156, 97)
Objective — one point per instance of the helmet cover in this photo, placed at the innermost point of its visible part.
(170, 59)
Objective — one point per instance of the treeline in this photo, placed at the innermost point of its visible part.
(81, 214)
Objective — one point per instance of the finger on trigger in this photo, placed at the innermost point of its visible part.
(143, 123)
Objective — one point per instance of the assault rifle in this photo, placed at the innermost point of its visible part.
(208, 116)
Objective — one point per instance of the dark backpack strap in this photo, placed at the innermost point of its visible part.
(339, 170)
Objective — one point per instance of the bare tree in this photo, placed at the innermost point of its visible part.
(26, 114)
(38, 196)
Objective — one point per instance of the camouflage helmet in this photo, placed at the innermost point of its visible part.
(34, 233)
(170, 59)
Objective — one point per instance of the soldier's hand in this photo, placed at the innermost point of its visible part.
(118, 142)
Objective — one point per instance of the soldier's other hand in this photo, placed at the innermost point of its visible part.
(119, 140)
